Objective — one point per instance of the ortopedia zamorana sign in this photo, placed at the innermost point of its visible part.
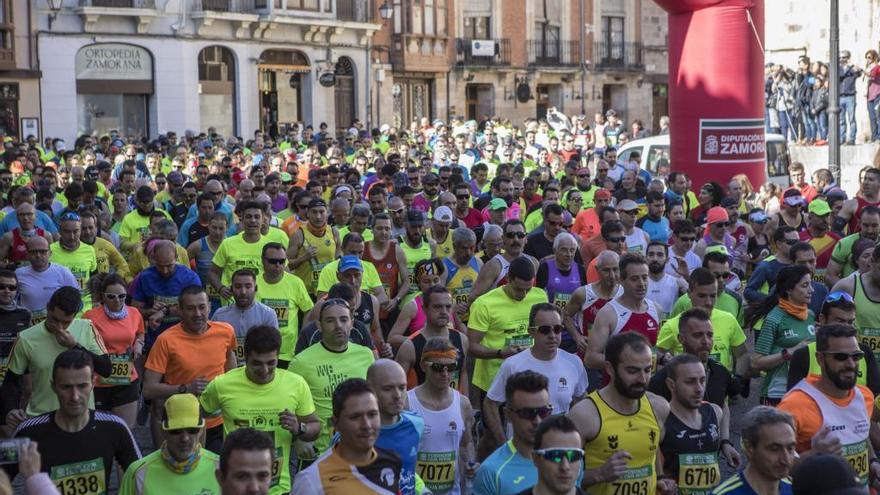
(731, 140)
(115, 61)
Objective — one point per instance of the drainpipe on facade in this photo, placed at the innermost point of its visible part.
(583, 34)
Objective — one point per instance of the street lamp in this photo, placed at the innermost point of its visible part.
(386, 11)
(54, 8)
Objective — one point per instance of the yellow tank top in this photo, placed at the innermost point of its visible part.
(444, 249)
(311, 270)
(638, 434)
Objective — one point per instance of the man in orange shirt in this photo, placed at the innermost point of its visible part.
(588, 221)
(186, 357)
(612, 237)
(832, 414)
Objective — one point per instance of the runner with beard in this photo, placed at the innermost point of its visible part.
(313, 246)
(13, 244)
(693, 436)
(832, 414)
(494, 272)
(622, 424)
(852, 208)
(663, 288)
(416, 245)
(135, 225)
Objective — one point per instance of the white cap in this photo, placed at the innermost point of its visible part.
(443, 214)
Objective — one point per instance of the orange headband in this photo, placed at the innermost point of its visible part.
(448, 354)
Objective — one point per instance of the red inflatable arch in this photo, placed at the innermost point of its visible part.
(716, 89)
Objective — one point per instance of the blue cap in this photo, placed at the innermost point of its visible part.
(350, 262)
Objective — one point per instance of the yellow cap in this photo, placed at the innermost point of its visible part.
(182, 411)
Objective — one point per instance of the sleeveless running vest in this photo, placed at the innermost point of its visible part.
(647, 323)
(18, 252)
(638, 434)
(691, 456)
(850, 424)
(310, 270)
(437, 462)
(413, 256)
(364, 312)
(592, 304)
(501, 279)
(867, 317)
(386, 267)
(854, 225)
(461, 281)
(559, 285)
(815, 370)
(444, 249)
(416, 375)
(203, 267)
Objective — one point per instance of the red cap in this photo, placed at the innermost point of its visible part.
(602, 193)
(717, 214)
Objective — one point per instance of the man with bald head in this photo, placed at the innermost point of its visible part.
(155, 290)
(38, 280)
(586, 301)
(245, 191)
(13, 244)
(401, 430)
(25, 195)
(397, 212)
(214, 189)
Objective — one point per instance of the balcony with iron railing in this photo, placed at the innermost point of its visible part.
(130, 4)
(618, 56)
(470, 53)
(554, 53)
(353, 10)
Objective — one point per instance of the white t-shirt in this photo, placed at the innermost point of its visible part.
(693, 262)
(637, 242)
(566, 377)
(664, 293)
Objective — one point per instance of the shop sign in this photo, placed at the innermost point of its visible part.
(731, 140)
(115, 61)
(327, 79)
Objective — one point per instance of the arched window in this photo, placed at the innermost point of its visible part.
(217, 102)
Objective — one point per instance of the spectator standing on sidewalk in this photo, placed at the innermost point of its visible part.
(848, 75)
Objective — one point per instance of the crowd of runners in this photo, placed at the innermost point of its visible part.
(448, 308)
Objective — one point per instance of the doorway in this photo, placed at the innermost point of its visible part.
(344, 95)
(283, 84)
(480, 101)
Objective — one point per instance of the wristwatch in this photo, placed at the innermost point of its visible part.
(786, 356)
(303, 430)
(181, 389)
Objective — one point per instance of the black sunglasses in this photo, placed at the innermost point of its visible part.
(546, 329)
(843, 356)
(276, 261)
(440, 367)
(530, 413)
(517, 235)
(10, 287)
(617, 239)
(722, 224)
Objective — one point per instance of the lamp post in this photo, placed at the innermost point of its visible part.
(834, 136)
(386, 11)
(54, 8)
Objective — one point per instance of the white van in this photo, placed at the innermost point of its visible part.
(655, 155)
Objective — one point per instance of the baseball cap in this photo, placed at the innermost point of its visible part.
(415, 217)
(602, 193)
(350, 262)
(497, 204)
(145, 193)
(718, 248)
(819, 207)
(431, 178)
(182, 411)
(175, 177)
(729, 202)
(286, 178)
(758, 217)
(627, 205)
(716, 214)
(823, 474)
(443, 214)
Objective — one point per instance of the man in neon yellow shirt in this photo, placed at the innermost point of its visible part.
(239, 251)
(352, 244)
(728, 340)
(74, 254)
(180, 465)
(498, 323)
(262, 397)
(285, 293)
(135, 226)
(326, 365)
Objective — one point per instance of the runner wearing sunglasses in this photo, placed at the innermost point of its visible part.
(510, 469)
(494, 272)
(566, 377)
(621, 424)
(865, 291)
(839, 308)
(558, 457)
(832, 413)
(446, 449)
